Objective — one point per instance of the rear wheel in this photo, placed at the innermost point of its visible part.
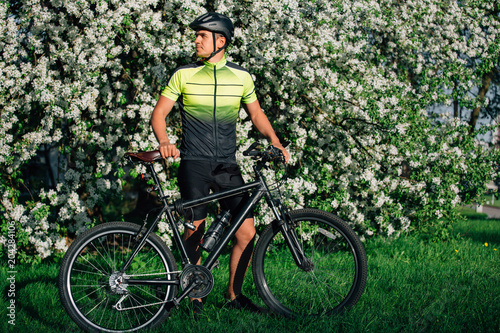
(334, 278)
(94, 292)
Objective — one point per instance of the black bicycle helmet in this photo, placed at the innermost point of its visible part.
(215, 22)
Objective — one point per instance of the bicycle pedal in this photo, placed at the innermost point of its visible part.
(190, 226)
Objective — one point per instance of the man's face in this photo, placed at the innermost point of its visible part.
(204, 43)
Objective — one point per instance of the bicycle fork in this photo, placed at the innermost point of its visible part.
(286, 225)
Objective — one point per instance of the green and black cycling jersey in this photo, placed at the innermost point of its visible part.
(210, 97)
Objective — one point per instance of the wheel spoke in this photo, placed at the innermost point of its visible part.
(337, 275)
(100, 254)
(91, 283)
(89, 272)
(92, 265)
(323, 295)
(146, 263)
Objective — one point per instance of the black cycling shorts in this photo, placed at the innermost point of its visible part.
(197, 178)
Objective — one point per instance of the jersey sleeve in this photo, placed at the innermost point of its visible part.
(249, 95)
(173, 89)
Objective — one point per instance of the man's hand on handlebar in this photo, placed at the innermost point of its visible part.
(270, 153)
(286, 154)
(168, 150)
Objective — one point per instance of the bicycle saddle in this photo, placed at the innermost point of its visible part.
(145, 156)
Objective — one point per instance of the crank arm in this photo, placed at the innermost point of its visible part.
(176, 301)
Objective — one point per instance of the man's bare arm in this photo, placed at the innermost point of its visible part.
(260, 121)
(160, 112)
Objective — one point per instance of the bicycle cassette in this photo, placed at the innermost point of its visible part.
(117, 285)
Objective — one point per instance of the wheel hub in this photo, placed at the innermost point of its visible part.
(116, 283)
(307, 265)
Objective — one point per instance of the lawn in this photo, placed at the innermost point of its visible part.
(413, 286)
(491, 200)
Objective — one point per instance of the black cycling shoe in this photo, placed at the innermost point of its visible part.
(197, 308)
(241, 302)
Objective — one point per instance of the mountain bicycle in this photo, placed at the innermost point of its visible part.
(122, 277)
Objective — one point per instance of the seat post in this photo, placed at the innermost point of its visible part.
(157, 182)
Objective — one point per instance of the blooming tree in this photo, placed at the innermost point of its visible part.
(347, 82)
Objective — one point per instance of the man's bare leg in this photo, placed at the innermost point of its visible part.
(241, 253)
(240, 257)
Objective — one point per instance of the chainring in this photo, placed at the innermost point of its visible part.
(201, 276)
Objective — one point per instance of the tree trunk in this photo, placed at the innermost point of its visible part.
(455, 104)
(482, 93)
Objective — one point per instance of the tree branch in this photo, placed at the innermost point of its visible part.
(482, 92)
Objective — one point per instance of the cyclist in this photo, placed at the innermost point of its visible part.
(210, 93)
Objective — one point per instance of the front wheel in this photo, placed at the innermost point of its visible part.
(334, 278)
(95, 292)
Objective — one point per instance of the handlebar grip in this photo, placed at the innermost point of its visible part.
(253, 153)
(249, 150)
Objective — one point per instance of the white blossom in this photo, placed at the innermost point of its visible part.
(87, 81)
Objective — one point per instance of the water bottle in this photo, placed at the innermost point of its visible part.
(215, 231)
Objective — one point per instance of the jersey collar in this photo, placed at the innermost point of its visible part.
(219, 64)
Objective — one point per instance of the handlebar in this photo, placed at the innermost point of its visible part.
(271, 153)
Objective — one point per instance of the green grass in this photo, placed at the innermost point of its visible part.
(471, 213)
(413, 286)
(492, 200)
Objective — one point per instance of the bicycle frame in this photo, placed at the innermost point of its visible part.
(257, 189)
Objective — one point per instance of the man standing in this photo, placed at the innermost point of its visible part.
(210, 93)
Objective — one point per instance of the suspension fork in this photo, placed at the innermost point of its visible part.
(285, 224)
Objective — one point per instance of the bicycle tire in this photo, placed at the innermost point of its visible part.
(337, 279)
(88, 290)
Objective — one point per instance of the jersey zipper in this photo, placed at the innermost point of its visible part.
(216, 142)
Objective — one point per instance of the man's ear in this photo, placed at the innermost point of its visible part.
(221, 41)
